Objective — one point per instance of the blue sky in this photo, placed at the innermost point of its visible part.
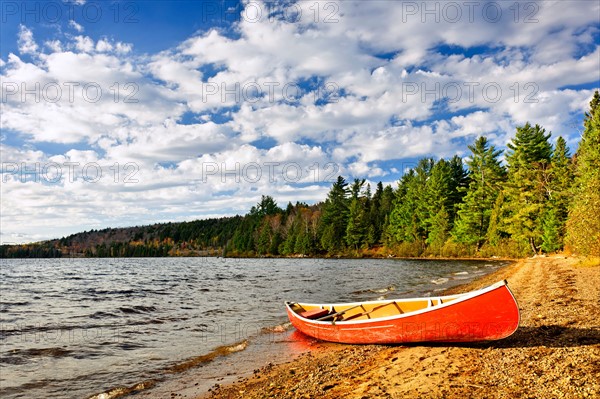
(120, 113)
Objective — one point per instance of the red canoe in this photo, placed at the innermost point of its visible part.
(487, 314)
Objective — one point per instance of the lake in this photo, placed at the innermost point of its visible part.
(75, 328)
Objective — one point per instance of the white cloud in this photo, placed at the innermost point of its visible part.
(70, 88)
(27, 44)
(123, 48)
(54, 45)
(76, 26)
(84, 44)
(103, 46)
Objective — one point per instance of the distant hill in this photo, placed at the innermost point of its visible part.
(195, 238)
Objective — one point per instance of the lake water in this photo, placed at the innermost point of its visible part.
(77, 328)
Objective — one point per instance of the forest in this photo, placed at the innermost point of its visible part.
(535, 197)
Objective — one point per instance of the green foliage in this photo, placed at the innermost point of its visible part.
(409, 249)
(356, 229)
(583, 225)
(486, 176)
(559, 193)
(408, 216)
(551, 231)
(266, 206)
(438, 233)
(359, 218)
(35, 250)
(526, 191)
(335, 217)
(263, 244)
(421, 195)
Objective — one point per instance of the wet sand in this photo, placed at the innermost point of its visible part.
(555, 353)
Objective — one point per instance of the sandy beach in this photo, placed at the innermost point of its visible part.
(555, 353)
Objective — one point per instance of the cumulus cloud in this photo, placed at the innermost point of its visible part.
(84, 44)
(76, 26)
(27, 44)
(103, 46)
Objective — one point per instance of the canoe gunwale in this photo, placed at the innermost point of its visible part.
(457, 300)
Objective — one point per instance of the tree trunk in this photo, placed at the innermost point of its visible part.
(533, 246)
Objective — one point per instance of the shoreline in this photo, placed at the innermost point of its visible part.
(373, 253)
(278, 344)
(554, 353)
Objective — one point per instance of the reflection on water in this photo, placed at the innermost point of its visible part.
(79, 327)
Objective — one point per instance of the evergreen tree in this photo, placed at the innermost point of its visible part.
(289, 244)
(486, 176)
(303, 243)
(551, 240)
(583, 226)
(275, 243)
(335, 216)
(526, 189)
(356, 188)
(356, 229)
(403, 224)
(385, 208)
(358, 217)
(438, 233)
(376, 218)
(561, 179)
(380, 208)
(438, 192)
(263, 243)
(266, 206)
(410, 211)
(458, 186)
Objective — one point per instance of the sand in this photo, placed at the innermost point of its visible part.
(555, 353)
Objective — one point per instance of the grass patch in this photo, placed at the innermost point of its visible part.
(590, 261)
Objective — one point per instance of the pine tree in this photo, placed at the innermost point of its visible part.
(407, 220)
(387, 204)
(376, 218)
(303, 244)
(438, 197)
(288, 245)
(380, 208)
(438, 233)
(551, 226)
(356, 229)
(266, 206)
(333, 223)
(486, 176)
(583, 225)
(403, 224)
(526, 189)
(458, 186)
(263, 243)
(275, 243)
(561, 179)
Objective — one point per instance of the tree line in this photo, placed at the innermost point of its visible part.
(534, 197)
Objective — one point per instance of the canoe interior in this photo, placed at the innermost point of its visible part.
(373, 310)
